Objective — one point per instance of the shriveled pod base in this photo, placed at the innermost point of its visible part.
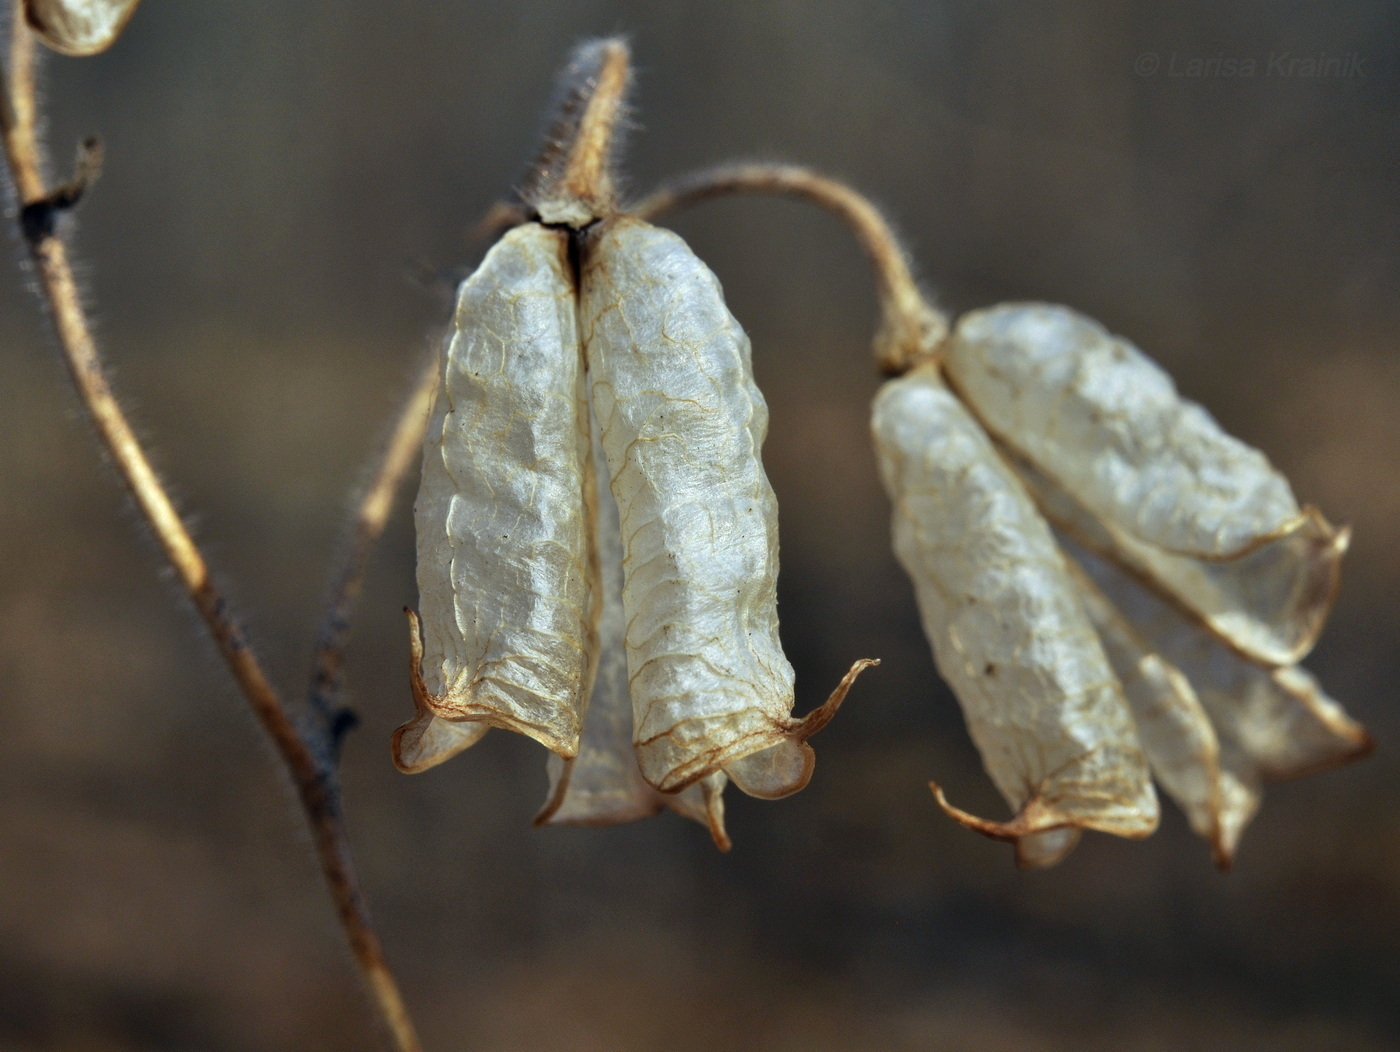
(79, 27)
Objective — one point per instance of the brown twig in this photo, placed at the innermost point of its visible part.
(366, 523)
(315, 782)
(911, 329)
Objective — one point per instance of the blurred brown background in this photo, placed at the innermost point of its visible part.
(272, 167)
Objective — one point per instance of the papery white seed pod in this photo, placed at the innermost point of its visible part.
(682, 425)
(1200, 511)
(1176, 733)
(1270, 604)
(504, 566)
(1007, 627)
(1272, 723)
(603, 785)
(78, 27)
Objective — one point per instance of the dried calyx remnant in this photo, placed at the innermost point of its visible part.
(597, 539)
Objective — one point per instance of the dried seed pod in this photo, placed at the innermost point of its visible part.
(603, 784)
(682, 424)
(1272, 723)
(78, 27)
(504, 574)
(1173, 495)
(1176, 733)
(1007, 628)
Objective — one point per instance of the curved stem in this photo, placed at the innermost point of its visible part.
(911, 329)
(315, 782)
(366, 524)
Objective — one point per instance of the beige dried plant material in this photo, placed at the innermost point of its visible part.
(603, 784)
(1139, 472)
(1182, 748)
(1260, 603)
(79, 27)
(1272, 723)
(682, 426)
(504, 564)
(1008, 630)
(1050, 848)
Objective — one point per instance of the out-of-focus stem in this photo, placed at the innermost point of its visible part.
(911, 329)
(365, 526)
(314, 780)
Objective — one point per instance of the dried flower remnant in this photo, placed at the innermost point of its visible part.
(79, 27)
(1204, 576)
(520, 569)
(1007, 627)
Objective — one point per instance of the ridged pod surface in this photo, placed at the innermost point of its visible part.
(682, 426)
(1173, 495)
(1007, 627)
(1271, 723)
(504, 564)
(1174, 728)
(603, 785)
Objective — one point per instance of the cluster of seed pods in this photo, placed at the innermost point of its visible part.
(630, 626)
(1116, 590)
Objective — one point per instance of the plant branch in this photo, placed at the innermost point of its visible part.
(911, 329)
(365, 526)
(315, 782)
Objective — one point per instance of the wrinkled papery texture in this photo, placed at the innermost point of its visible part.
(503, 538)
(1007, 627)
(1272, 723)
(603, 784)
(682, 424)
(1269, 604)
(1173, 726)
(79, 27)
(1167, 490)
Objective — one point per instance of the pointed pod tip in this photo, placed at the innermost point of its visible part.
(822, 714)
(786, 767)
(994, 830)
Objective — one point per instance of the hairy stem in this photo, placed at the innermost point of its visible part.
(315, 782)
(572, 179)
(911, 329)
(365, 526)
